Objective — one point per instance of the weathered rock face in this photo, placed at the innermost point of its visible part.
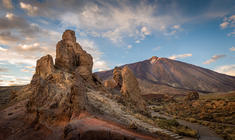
(125, 82)
(70, 55)
(110, 84)
(59, 92)
(45, 66)
(117, 77)
(130, 88)
(192, 96)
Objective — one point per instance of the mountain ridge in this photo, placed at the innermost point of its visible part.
(176, 76)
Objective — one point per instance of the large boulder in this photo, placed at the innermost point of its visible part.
(70, 56)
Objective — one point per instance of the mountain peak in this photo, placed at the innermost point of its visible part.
(153, 59)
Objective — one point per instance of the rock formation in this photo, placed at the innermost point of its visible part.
(130, 88)
(58, 92)
(192, 96)
(125, 81)
(45, 66)
(66, 101)
(70, 56)
(117, 77)
(110, 84)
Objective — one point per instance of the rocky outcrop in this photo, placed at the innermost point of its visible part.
(45, 66)
(110, 84)
(70, 56)
(192, 96)
(126, 83)
(130, 89)
(59, 92)
(117, 77)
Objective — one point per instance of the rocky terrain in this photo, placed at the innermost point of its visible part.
(66, 101)
(154, 99)
(166, 76)
(216, 110)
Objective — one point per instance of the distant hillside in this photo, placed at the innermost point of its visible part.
(162, 75)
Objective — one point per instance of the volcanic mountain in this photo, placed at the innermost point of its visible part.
(162, 75)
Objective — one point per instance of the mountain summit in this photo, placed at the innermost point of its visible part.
(162, 75)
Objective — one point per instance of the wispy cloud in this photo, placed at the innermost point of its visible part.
(31, 10)
(129, 46)
(10, 80)
(157, 48)
(118, 21)
(214, 58)
(90, 47)
(229, 22)
(232, 49)
(3, 70)
(226, 69)
(180, 56)
(224, 25)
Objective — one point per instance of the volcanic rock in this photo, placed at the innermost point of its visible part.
(110, 84)
(130, 88)
(117, 77)
(70, 56)
(45, 66)
(192, 96)
(58, 93)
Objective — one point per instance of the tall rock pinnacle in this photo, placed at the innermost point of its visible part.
(70, 56)
(58, 92)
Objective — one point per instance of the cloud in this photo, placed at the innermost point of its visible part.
(90, 47)
(118, 21)
(214, 58)
(24, 70)
(9, 16)
(145, 30)
(156, 48)
(176, 27)
(129, 46)
(226, 69)
(3, 70)
(229, 22)
(10, 80)
(224, 25)
(180, 56)
(31, 10)
(29, 48)
(3, 49)
(7, 37)
(232, 49)
(7, 4)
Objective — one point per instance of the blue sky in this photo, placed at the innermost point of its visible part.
(117, 32)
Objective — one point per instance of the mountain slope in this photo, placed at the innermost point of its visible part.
(162, 75)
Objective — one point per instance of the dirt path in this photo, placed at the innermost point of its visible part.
(204, 132)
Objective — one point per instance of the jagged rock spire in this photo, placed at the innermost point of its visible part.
(70, 56)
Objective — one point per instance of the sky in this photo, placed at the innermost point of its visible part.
(117, 32)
